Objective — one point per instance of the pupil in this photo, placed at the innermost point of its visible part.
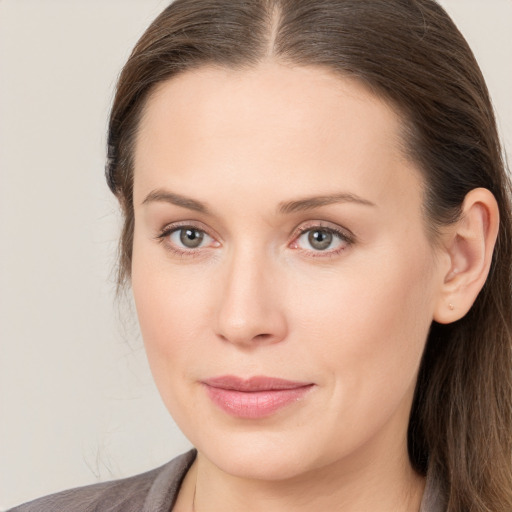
(320, 240)
(191, 238)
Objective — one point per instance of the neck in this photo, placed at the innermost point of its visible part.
(391, 485)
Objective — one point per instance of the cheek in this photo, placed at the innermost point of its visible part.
(170, 314)
(171, 311)
(367, 329)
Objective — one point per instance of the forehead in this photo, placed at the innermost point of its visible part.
(297, 125)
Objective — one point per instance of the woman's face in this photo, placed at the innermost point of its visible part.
(281, 271)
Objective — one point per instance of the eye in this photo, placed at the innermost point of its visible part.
(322, 239)
(185, 239)
(188, 237)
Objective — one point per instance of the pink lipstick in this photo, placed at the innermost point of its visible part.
(257, 397)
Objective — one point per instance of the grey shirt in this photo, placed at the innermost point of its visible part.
(154, 491)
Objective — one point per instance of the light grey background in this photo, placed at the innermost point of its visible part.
(77, 403)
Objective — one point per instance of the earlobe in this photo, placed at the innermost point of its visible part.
(469, 244)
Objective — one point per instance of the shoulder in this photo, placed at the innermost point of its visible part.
(154, 491)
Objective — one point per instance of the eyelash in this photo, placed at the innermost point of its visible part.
(168, 230)
(346, 237)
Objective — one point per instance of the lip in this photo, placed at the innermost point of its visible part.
(256, 397)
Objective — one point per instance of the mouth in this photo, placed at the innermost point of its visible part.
(256, 397)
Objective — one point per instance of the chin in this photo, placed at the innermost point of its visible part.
(258, 455)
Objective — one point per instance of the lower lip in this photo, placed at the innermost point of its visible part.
(255, 404)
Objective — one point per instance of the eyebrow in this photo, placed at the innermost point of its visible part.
(310, 203)
(299, 205)
(165, 196)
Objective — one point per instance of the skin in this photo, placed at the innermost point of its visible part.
(256, 298)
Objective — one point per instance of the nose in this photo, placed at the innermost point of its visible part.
(251, 311)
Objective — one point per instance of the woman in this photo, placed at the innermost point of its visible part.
(317, 235)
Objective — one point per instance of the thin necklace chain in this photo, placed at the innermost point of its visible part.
(194, 497)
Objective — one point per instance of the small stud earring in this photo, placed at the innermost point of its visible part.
(451, 306)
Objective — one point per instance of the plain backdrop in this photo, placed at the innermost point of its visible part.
(77, 402)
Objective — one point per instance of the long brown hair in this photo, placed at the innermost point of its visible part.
(410, 53)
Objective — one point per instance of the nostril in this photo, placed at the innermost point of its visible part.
(248, 340)
(263, 336)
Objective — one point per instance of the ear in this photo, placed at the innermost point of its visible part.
(469, 244)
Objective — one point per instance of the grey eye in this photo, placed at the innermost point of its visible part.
(191, 238)
(188, 237)
(320, 239)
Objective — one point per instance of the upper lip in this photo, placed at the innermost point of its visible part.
(252, 384)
